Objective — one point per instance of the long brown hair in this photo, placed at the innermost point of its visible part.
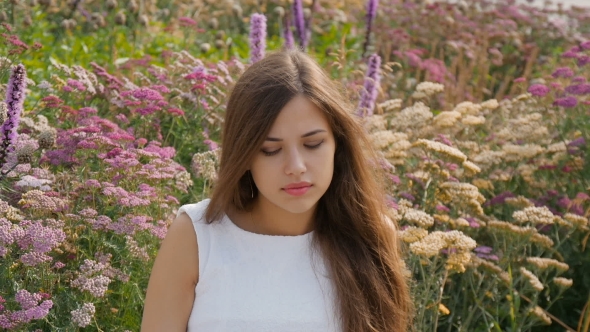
(360, 248)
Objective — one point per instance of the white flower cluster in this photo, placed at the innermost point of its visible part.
(412, 117)
(427, 89)
(448, 151)
(563, 282)
(206, 164)
(532, 278)
(431, 244)
(30, 182)
(529, 128)
(514, 152)
(467, 108)
(390, 105)
(83, 316)
(534, 215)
(490, 104)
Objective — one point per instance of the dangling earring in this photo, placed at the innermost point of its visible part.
(250, 180)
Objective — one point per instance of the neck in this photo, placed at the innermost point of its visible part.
(267, 218)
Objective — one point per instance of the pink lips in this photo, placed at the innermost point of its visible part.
(297, 189)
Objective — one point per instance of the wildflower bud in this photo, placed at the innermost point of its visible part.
(46, 139)
(144, 20)
(280, 11)
(219, 43)
(111, 4)
(3, 111)
(213, 23)
(27, 21)
(98, 19)
(205, 47)
(237, 9)
(220, 34)
(3, 17)
(120, 18)
(132, 6)
(24, 155)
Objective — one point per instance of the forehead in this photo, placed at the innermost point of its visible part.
(298, 115)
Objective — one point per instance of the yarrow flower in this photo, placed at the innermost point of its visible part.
(538, 90)
(257, 37)
(566, 102)
(564, 72)
(83, 316)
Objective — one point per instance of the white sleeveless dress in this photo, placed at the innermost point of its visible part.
(252, 282)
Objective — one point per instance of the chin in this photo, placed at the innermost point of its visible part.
(298, 204)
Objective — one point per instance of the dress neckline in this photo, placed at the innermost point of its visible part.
(238, 229)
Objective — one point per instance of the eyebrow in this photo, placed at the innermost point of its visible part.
(311, 133)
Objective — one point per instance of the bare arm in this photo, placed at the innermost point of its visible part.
(171, 289)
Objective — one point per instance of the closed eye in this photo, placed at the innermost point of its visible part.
(274, 152)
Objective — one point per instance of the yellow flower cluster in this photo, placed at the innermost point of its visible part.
(443, 149)
(434, 242)
(471, 167)
(412, 234)
(390, 105)
(540, 313)
(488, 158)
(490, 104)
(468, 108)
(546, 263)
(477, 262)
(418, 217)
(535, 215)
(519, 202)
(532, 278)
(514, 152)
(446, 119)
(472, 120)
(462, 194)
(563, 282)
(577, 221)
(384, 138)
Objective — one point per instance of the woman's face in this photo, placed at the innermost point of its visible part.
(294, 166)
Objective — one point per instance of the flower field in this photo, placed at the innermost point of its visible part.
(111, 120)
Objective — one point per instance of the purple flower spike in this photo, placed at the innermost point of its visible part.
(563, 72)
(288, 33)
(257, 37)
(371, 14)
(538, 90)
(15, 97)
(578, 89)
(370, 88)
(483, 249)
(578, 142)
(567, 102)
(300, 22)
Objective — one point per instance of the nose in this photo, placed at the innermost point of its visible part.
(295, 163)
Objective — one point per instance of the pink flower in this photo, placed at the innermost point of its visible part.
(564, 72)
(538, 90)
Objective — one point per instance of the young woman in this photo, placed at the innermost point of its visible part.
(294, 237)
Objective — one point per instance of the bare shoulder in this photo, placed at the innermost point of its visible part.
(170, 294)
